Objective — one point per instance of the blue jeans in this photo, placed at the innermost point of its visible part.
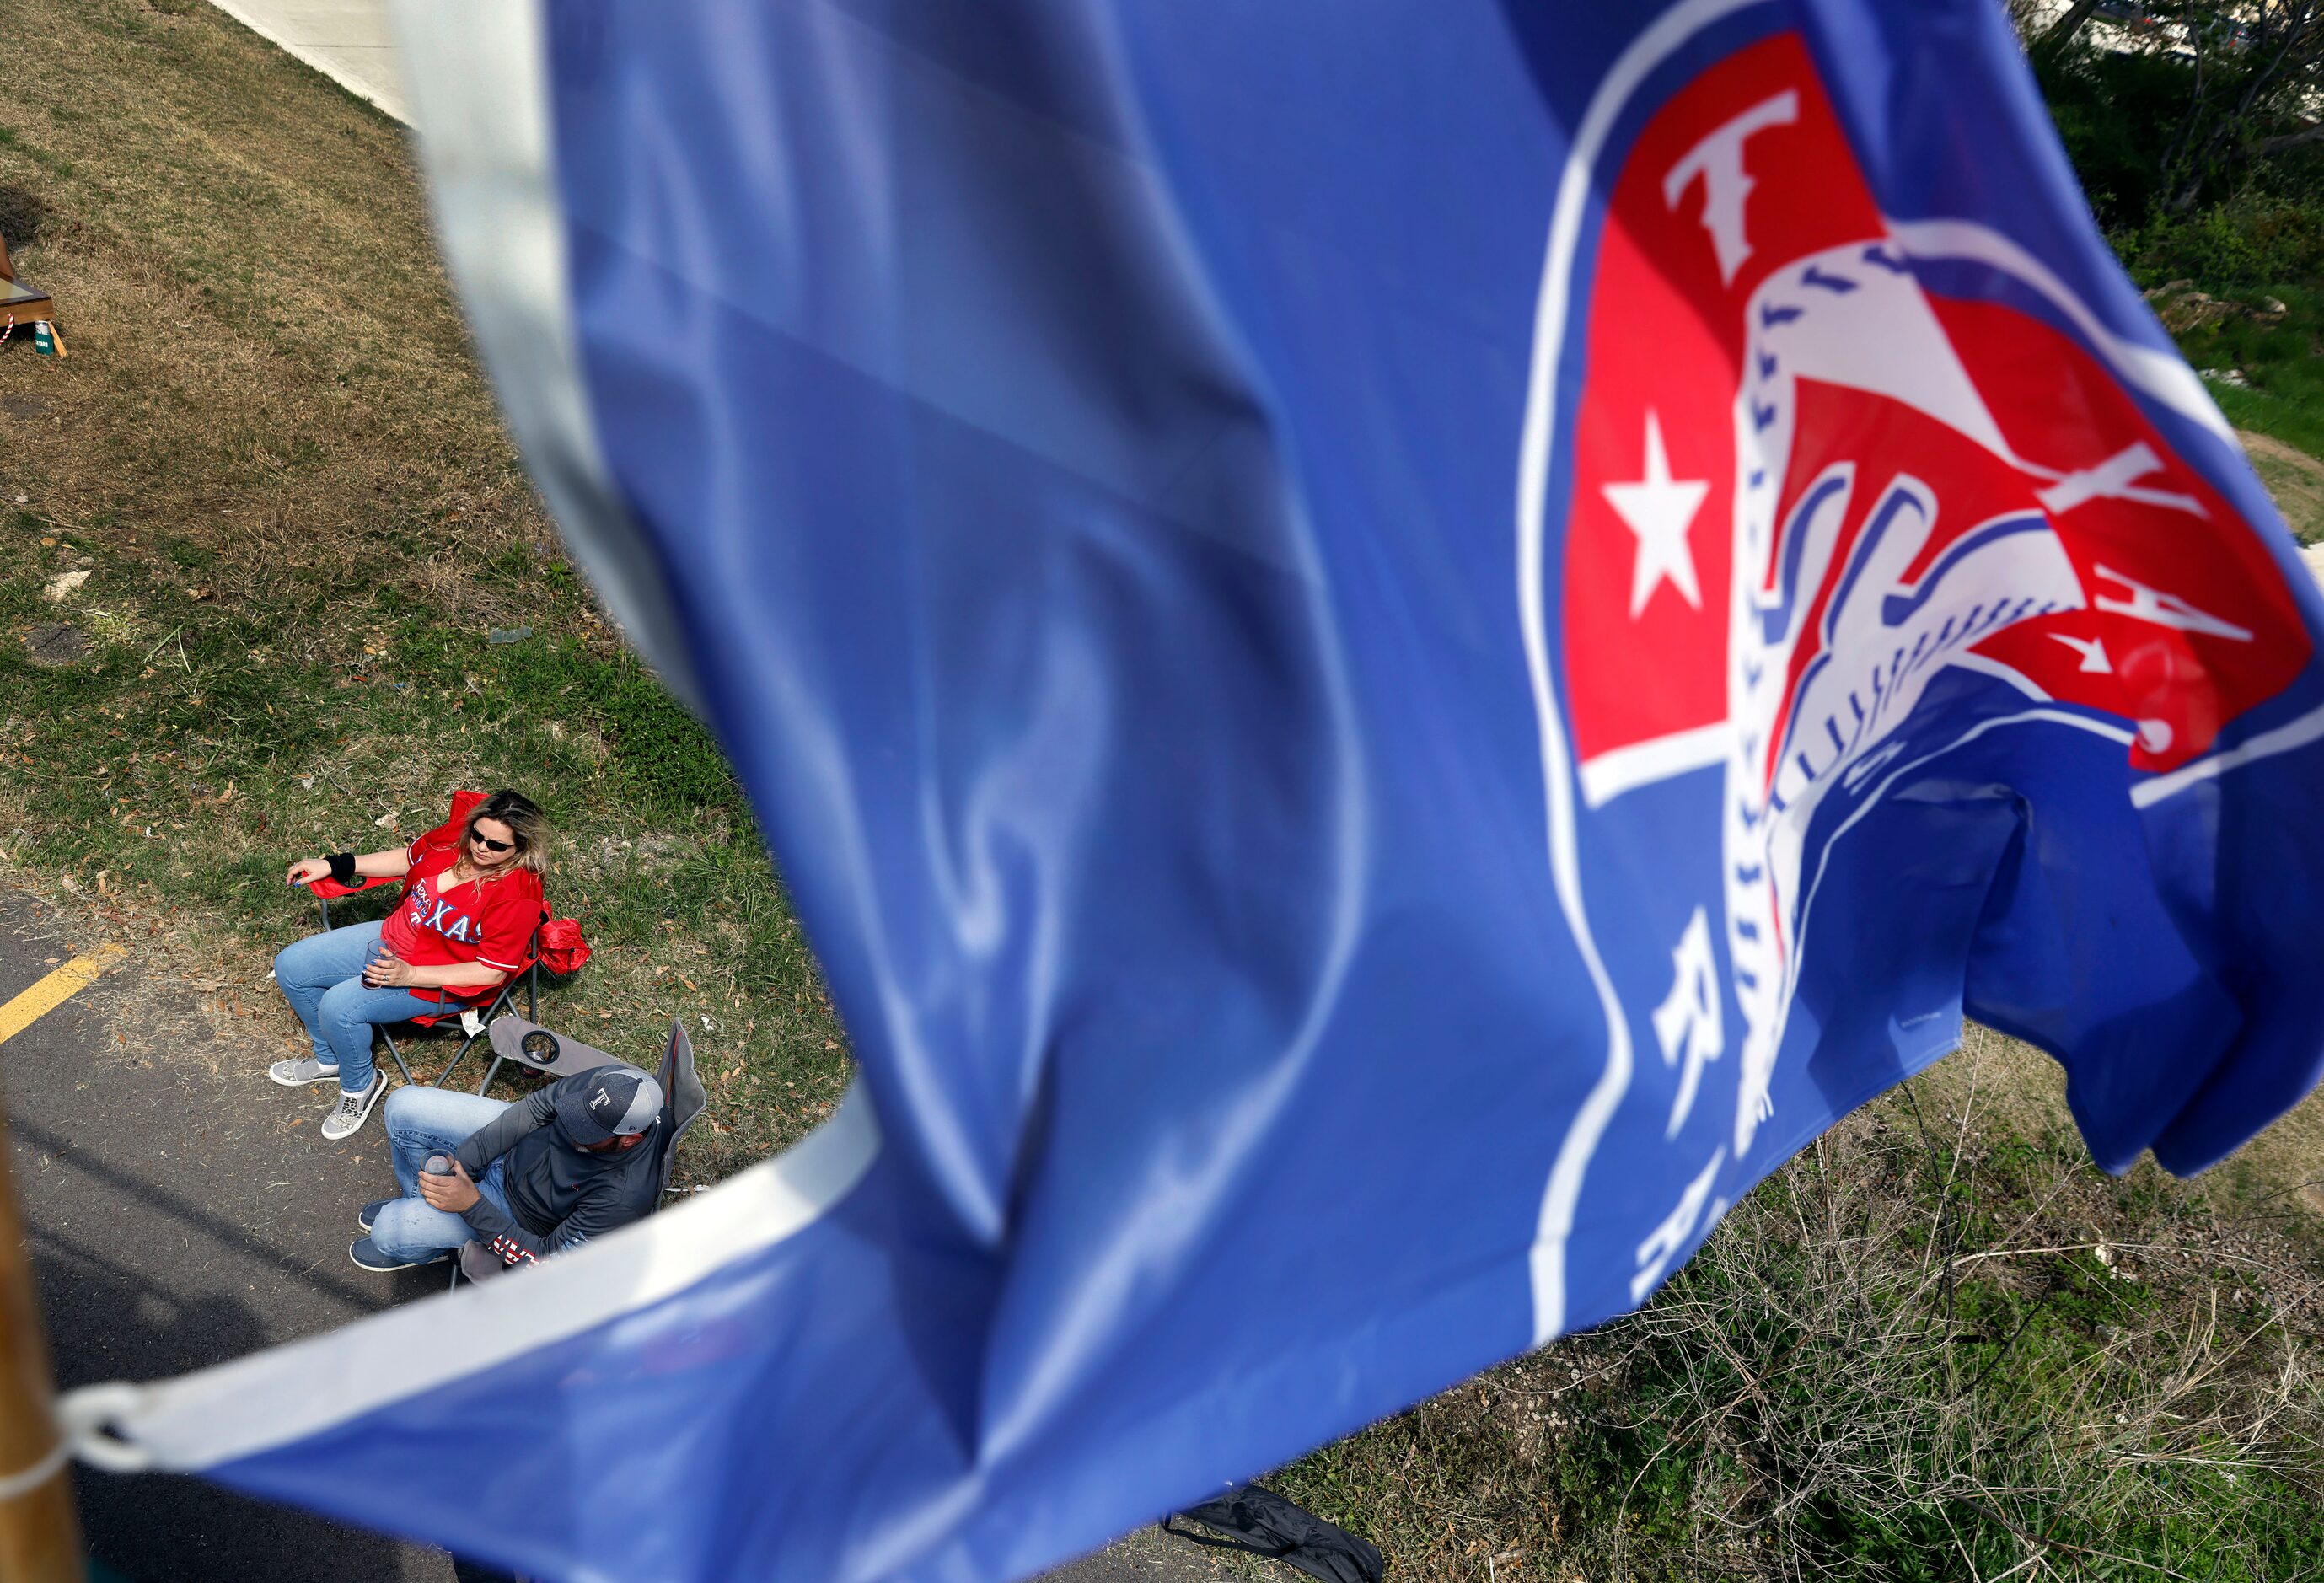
(322, 978)
(421, 1122)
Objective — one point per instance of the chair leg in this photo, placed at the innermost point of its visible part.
(389, 1039)
(458, 1055)
(504, 1001)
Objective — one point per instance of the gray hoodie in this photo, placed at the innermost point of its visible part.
(561, 1195)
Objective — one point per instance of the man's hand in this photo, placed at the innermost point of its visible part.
(454, 1193)
(306, 870)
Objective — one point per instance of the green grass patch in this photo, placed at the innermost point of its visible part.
(302, 523)
(2276, 358)
(1914, 1354)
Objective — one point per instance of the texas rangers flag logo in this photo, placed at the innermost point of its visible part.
(1823, 521)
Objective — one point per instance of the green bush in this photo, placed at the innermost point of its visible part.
(2121, 116)
(2250, 240)
(2116, 115)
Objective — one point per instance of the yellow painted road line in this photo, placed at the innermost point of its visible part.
(54, 991)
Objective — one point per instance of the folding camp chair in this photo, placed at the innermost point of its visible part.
(526, 1043)
(683, 1100)
(473, 1020)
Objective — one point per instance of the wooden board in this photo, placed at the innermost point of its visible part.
(27, 302)
(23, 302)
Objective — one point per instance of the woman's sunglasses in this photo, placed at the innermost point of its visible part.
(488, 844)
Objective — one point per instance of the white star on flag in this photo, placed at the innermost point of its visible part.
(1659, 510)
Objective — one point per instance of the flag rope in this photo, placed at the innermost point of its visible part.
(255, 1403)
(12, 1485)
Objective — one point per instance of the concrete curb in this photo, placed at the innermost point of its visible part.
(272, 20)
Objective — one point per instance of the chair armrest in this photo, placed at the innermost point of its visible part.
(330, 889)
(478, 1264)
(568, 1055)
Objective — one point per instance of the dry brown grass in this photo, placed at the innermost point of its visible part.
(2277, 1179)
(273, 452)
(2294, 478)
(267, 364)
(1938, 1345)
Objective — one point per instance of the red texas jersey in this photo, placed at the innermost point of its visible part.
(490, 921)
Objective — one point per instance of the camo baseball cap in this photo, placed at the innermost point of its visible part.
(607, 1102)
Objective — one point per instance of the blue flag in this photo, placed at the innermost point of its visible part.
(1390, 650)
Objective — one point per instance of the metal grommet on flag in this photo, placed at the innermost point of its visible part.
(90, 1420)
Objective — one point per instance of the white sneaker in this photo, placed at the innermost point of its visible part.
(353, 1109)
(297, 1074)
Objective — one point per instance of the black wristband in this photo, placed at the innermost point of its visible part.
(343, 867)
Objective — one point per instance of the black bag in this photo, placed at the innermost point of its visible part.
(1263, 1523)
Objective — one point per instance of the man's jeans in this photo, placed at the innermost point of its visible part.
(322, 978)
(421, 1122)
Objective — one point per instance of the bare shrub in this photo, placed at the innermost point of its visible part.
(1915, 1352)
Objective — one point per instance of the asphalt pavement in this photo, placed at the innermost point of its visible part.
(178, 1219)
(181, 1212)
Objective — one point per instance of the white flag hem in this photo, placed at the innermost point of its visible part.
(289, 1392)
(478, 77)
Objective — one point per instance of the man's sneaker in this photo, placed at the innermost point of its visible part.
(368, 1254)
(353, 1109)
(367, 1216)
(297, 1074)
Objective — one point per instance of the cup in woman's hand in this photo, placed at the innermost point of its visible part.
(375, 960)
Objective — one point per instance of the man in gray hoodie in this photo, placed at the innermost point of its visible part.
(572, 1161)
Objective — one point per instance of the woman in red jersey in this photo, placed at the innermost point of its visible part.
(461, 930)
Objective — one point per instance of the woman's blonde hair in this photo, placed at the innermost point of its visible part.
(527, 826)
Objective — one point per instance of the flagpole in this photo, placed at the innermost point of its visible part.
(40, 1537)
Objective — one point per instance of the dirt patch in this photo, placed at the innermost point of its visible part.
(23, 213)
(185, 996)
(2294, 478)
(57, 643)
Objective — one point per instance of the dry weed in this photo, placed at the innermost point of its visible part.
(1931, 1346)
